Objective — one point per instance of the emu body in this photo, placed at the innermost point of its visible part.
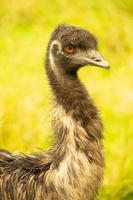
(73, 168)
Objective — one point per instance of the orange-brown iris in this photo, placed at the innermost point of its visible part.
(69, 49)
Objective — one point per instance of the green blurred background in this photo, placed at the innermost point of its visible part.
(25, 98)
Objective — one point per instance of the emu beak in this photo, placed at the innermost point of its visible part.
(94, 58)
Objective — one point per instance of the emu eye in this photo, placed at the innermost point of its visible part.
(69, 49)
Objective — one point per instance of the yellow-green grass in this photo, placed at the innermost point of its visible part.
(25, 98)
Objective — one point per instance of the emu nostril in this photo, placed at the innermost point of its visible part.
(95, 59)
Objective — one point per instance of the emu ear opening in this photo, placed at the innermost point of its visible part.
(55, 45)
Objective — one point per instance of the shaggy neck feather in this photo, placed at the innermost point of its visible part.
(76, 122)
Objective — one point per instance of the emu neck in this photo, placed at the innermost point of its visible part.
(68, 90)
(76, 124)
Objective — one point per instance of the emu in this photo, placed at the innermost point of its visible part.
(73, 168)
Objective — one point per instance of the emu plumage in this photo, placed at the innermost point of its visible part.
(73, 168)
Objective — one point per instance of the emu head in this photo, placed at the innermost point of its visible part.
(71, 48)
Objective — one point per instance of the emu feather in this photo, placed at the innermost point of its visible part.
(73, 168)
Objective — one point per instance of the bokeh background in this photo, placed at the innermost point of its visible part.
(25, 98)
